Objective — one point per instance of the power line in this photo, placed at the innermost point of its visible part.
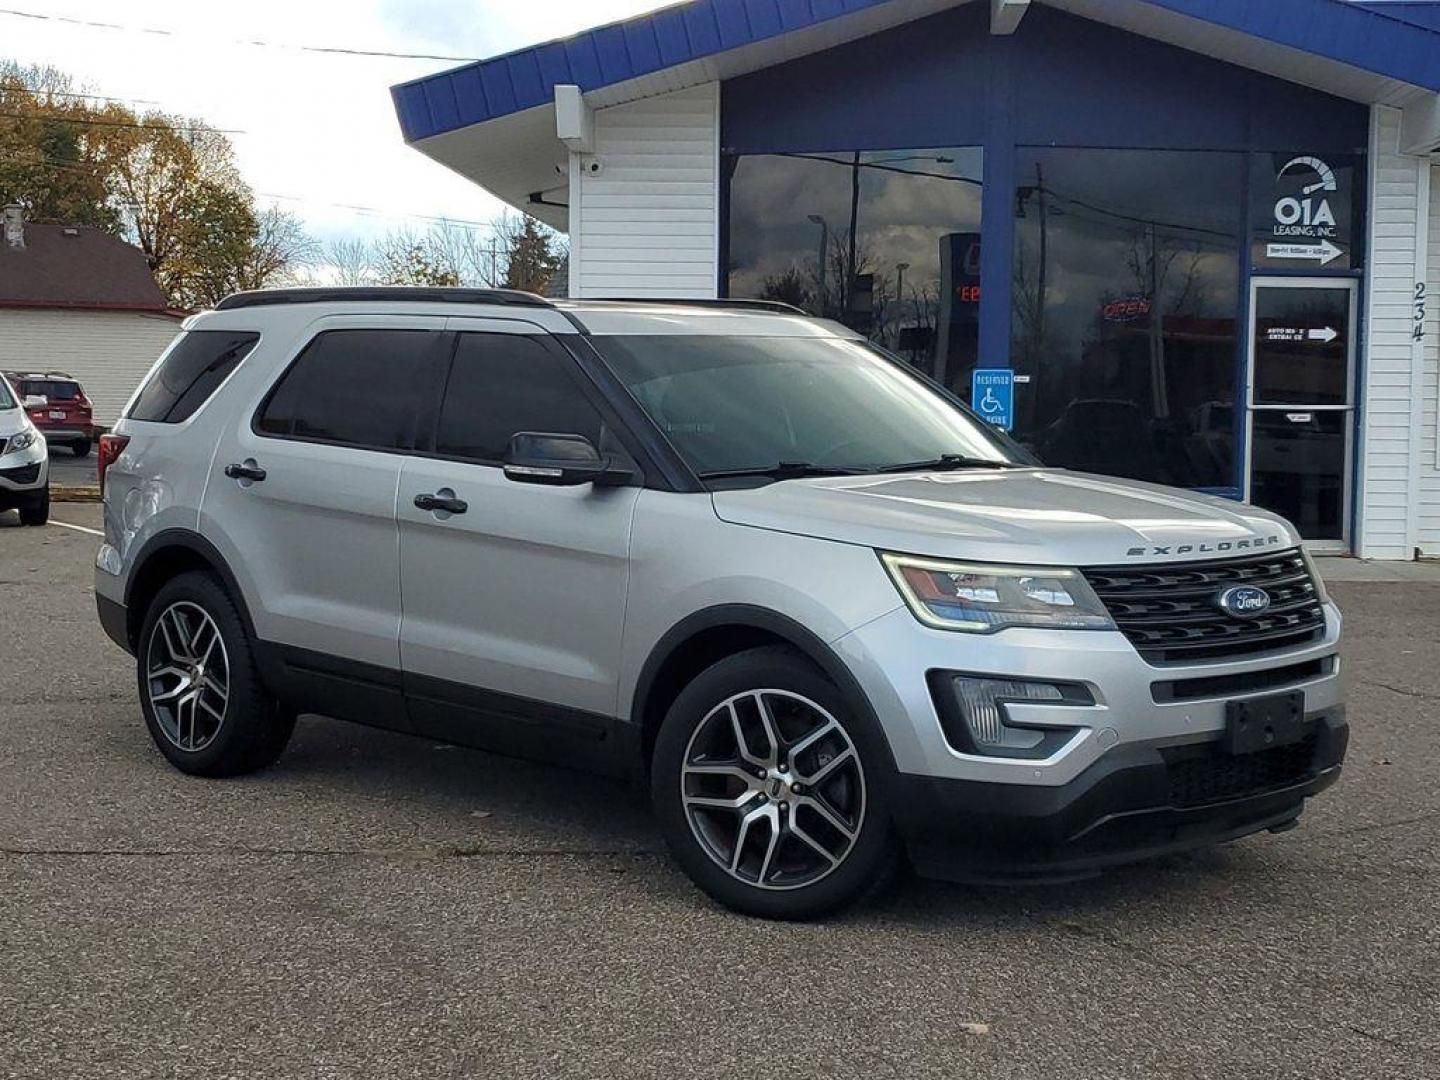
(459, 223)
(69, 94)
(330, 50)
(61, 118)
(90, 168)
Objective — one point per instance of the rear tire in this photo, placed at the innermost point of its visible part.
(773, 790)
(200, 688)
(81, 448)
(37, 510)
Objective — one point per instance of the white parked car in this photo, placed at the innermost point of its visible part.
(831, 618)
(24, 461)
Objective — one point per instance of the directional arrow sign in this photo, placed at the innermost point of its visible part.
(1326, 334)
(1324, 252)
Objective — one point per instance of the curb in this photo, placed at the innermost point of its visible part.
(74, 494)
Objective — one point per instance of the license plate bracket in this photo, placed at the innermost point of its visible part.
(1264, 723)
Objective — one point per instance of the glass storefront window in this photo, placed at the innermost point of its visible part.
(887, 242)
(1125, 305)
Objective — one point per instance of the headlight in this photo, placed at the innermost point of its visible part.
(981, 599)
(23, 441)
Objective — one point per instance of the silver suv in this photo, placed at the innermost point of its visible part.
(831, 618)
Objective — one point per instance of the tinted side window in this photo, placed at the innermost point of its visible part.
(192, 371)
(355, 387)
(504, 383)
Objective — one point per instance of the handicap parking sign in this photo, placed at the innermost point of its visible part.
(992, 395)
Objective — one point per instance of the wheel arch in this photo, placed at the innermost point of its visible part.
(164, 556)
(708, 636)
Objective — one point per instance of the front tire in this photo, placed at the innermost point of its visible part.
(772, 790)
(37, 511)
(200, 689)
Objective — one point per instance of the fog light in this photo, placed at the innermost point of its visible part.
(972, 711)
(980, 704)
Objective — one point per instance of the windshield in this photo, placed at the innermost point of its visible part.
(6, 401)
(732, 404)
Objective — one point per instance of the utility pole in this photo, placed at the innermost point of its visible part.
(849, 289)
(1044, 257)
(824, 300)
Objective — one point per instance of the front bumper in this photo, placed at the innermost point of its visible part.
(24, 475)
(1103, 795)
(1132, 804)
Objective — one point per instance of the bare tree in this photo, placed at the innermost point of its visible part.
(351, 261)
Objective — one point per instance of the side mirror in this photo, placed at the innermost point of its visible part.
(36, 401)
(561, 461)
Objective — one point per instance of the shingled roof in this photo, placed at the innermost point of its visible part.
(77, 267)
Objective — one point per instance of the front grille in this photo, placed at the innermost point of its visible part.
(1216, 776)
(25, 474)
(1172, 615)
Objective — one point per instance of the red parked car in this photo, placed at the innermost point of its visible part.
(65, 417)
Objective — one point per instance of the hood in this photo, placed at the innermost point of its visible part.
(1046, 517)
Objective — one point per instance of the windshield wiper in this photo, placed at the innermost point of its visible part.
(783, 470)
(947, 462)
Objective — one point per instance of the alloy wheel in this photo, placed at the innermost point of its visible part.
(187, 674)
(773, 789)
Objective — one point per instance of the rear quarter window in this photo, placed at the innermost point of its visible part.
(192, 370)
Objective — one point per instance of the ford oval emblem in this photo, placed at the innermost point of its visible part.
(1244, 601)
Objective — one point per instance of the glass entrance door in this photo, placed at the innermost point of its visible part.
(1302, 405)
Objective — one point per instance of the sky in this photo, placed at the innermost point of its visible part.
(317, 129)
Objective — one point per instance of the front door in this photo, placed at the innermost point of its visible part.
(1301, 404)
(517, 597)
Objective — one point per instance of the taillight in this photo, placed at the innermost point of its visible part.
(111, 447)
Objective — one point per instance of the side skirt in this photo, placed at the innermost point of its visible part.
(446, 711)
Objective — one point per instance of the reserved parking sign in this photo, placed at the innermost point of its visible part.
(992, 395)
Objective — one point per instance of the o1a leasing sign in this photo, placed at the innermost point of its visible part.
(1304, 211)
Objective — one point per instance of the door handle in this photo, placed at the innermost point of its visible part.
(448, 503)
(246, 471)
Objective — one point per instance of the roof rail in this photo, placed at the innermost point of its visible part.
(777, 306)
(380, 294)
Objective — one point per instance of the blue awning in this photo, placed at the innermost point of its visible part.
(1361, 36)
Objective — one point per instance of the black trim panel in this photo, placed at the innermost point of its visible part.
(316, 682)
(114, 620)
(1121, 809)
(513, 726)
(378, 696)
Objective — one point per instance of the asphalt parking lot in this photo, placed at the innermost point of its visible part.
(382, 906)
(67, 470)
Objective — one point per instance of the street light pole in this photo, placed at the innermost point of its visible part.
(816, 219)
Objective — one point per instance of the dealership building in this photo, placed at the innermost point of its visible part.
(1195, 242)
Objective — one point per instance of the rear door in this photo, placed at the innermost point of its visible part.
(512, 609)
(304, 488)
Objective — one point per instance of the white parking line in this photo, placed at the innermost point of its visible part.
(78, 528)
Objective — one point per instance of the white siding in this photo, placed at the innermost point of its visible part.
(109, 352)
(646, 224)
(1388, 471)
(1429, 499)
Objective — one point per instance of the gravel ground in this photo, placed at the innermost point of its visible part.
(383, 906)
